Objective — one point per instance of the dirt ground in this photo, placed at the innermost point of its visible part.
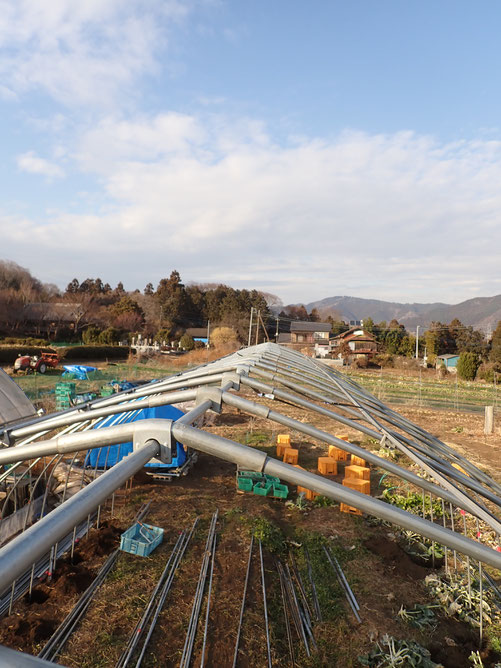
(383, 577)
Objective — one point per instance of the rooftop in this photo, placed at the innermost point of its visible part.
(301, 326)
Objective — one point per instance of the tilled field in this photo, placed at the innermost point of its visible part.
(383, 577)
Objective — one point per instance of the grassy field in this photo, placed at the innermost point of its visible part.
(449, 393)
(390, 386)
(40, 388)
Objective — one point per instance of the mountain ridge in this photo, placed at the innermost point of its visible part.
(479, 312)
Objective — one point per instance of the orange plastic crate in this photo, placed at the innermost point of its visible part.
(363, 486)
(349, 509)
(357, 461)
(357, 472)
(327, 466)
(338, 454)
(281, 448)
(309, 493)
(342, 437)
(291, 456)
(283, 439)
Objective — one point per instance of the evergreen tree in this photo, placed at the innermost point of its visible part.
(495, 354)
(467, 366)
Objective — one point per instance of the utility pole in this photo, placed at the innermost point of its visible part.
(417, 341)
(208, 333)
(257, 326)
(250, 327)
(276, 333)
(264, 328)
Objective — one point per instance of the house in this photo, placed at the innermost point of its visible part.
(449, 361)
(47, 319)
(310, 332)
(356, 343)
(198, 334)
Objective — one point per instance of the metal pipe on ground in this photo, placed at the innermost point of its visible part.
(242, 607)
(165, 591)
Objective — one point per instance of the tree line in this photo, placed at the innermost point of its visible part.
(475, 350)
(104, 314)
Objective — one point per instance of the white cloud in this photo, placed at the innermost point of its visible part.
(82, 52)
(31, 163)
(392, 216)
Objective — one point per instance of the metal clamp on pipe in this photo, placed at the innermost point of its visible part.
(212, 394)
(233, 378)
(159, 431)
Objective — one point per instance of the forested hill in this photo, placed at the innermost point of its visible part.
(480, 312)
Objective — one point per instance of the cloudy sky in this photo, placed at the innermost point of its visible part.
(308, 149)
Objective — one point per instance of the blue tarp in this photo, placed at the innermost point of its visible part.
(78, 371)
(111, 454)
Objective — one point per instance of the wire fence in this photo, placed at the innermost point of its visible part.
(444, 394)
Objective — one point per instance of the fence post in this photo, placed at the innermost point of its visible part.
(489, 420)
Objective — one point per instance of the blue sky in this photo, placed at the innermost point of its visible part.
(305, 149)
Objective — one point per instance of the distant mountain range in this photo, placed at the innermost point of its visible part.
(480, 312)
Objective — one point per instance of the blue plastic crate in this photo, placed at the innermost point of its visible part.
(141, 539)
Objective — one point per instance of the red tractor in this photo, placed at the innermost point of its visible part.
(40, 364)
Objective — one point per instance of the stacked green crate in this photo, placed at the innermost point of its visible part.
(65, 393)
(261, 484)
(106, 391)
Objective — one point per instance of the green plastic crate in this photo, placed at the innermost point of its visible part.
(245, 484)
(252, 475)
(272, 479)
(280, 491)
(263, 488)
(65, 388)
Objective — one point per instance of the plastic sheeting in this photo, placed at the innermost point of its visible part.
(104, 458)
(78, 371)
(14, 404)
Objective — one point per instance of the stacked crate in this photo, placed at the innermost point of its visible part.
(65, 393)
(283, 442)
(291, 455)
(357, 478)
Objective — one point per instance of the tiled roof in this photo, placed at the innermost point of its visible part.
(300, 326)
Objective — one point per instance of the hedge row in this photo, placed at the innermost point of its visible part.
(8, 354)
(96, 353)
(19, 341)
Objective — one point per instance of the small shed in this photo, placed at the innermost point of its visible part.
(450, 362)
